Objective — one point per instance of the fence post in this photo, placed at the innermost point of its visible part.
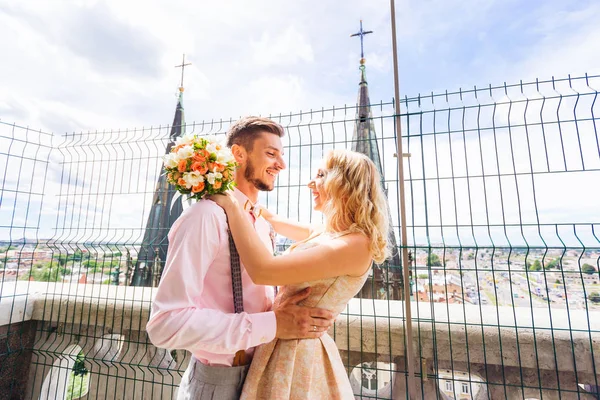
(405, 266)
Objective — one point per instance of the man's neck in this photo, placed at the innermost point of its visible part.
(248, 189)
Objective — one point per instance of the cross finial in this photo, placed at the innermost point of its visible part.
(362, 34)
(182, 66)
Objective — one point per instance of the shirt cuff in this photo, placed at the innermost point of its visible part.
(264, 327)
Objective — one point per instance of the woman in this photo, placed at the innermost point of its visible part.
(334, 260)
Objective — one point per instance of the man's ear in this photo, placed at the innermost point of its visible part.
(239, 153)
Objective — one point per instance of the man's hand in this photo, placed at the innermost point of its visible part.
(298, 322)
(226, 200)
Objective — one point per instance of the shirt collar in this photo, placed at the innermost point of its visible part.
(246, 203)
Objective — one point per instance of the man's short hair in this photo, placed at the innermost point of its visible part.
(245, 131)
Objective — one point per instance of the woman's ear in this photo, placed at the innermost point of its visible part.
(239, 153)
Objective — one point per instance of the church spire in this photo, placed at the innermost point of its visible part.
(364, 140)
(153, 251)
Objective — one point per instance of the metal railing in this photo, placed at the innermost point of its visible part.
(502, 230)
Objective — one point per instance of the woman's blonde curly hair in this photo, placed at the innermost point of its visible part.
(356, 201)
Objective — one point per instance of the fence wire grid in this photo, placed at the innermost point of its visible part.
(503, 240)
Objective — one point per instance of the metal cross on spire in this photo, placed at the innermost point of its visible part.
(362, 34)
(182, 66)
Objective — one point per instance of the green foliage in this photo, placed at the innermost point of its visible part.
(588, 269)
(552, 264)
(77, 256)
(423, 276)
(95, 267)
(60, 258)
(537, 266)
(79, 379)
(594, 297)
(434, 260)
(46, 272)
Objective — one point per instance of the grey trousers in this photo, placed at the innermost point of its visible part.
(203, 382)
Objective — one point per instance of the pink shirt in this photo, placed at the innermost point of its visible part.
(193, 307)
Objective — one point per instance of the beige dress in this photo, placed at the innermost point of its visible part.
(305, 368)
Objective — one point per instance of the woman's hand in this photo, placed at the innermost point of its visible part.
(225, 200)
(266, 214)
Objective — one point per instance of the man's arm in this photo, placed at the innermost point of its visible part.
(177, 320)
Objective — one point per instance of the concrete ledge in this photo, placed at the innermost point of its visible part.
(510, 341)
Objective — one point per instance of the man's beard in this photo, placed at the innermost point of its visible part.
(258, 183)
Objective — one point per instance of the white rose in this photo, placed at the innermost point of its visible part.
(185, 139)
(185, 152)
(211, 148)
(171, 160)
(192, 179)
(224, 156)
(210, 177)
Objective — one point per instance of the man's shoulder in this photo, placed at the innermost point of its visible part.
(202, 210)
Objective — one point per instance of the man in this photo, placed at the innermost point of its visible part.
(194, 306)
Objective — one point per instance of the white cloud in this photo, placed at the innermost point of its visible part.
(289, 47)
(86, 65)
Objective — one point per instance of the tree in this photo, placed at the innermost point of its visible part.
(49, 272)
(552, 264)
(60, 258)
(77, 256)
(594, 297)
(588, 269)
(537, 266)
(423, 276)
(434, 260)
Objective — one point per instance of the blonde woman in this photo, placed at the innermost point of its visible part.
(333, 260)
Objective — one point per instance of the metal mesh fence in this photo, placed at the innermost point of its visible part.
(502, 232)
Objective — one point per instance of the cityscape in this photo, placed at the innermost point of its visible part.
(503, 277)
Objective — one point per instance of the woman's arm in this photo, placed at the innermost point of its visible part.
(286, 227)
(346, 255)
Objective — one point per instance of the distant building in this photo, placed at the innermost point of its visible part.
(387, 278)
(163, 213)
(458, 385)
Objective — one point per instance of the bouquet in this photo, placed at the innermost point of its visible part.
(198, 166)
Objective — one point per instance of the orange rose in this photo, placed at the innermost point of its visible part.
(225, 174)
(197, 166)
(204, 169)
(205, 153)
(220, 167)
(211, 166)
(182, 166)
(217, 184)
(181, 182)
(176, 176)
(198, 188)
(198, 158)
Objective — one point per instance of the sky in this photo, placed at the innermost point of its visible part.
(84, 65)
(76, 66)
